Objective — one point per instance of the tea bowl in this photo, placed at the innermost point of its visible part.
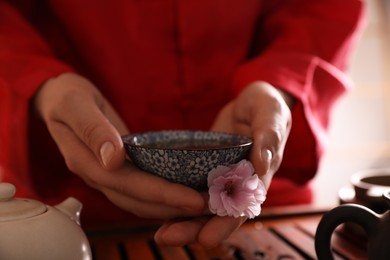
(185, 156)
(370, 185)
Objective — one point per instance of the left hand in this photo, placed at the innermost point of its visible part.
(262, 112)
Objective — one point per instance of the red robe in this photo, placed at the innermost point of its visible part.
(169, 64)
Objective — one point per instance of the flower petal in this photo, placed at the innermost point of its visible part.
(235, 190)
(216, 172)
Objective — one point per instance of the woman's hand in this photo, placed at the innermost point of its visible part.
(262, 112)
(88, 132)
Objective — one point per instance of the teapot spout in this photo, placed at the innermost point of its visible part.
(72, 208)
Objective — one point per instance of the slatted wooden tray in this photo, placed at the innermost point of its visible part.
(287, 238)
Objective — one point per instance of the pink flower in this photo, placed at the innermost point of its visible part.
(235, 190)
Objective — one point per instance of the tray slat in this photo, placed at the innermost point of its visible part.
(280, 239)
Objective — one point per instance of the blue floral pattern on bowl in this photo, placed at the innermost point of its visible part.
(185, 157)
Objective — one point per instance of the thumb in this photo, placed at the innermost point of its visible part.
(262, 161)
(73, 101)
(100, 129)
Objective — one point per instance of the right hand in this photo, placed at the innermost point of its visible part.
(87, 130)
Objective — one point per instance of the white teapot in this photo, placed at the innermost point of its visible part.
(30, 229)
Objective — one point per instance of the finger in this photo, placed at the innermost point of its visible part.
(150, 188)
(94, 129)
(266, 148)
(146, 209)
(267, 152)
(218, 229)
(179, 233)
(270, 131)
(75, 101)
(209, 231)
(76, 155)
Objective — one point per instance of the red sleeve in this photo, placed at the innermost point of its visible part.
(306, 50)
(25, 63)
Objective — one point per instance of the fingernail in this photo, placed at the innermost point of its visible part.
(107, 152)
(266, 157)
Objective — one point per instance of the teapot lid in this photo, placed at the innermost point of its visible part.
(14, 209)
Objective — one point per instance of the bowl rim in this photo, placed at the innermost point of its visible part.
(357, 179)
(126, 141)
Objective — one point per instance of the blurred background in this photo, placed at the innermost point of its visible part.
(360, 127)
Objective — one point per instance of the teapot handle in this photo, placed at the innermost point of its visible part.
(355, 213)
